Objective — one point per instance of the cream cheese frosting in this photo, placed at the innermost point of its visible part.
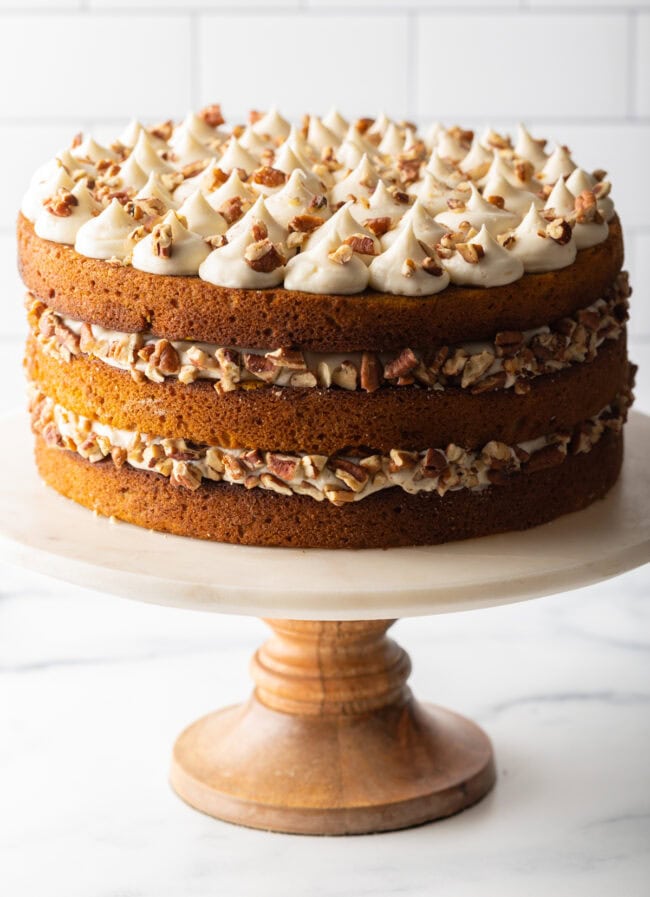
(533, 242)
(407, 269)
(393, 177)
(328, 266)
(107, 235)
(170, 248)
(482, 262)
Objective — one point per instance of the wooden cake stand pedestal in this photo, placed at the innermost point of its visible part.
(331, 741)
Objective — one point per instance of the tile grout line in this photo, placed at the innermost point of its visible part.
(632, 26)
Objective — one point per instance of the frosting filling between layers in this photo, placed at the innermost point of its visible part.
(510, 360)
(339, 479)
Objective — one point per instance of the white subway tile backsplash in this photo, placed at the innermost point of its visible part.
(642, 56)
(22, 149)
(305, 62)
(521, 65)
(12, 290)
(638, 262)
(75, 66)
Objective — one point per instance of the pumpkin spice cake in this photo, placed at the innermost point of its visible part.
(333, 334)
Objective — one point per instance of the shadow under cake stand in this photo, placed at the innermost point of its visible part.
(331, 740)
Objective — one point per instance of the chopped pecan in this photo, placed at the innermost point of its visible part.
(287, 358)
(161, 241)
(313, 465)
(431, 266)
(353, 475)
(586, 207)
(264, 256)
(303, 379)
(497, 454)
(378, 226)
(508, 343)
(269, 177)
(232, 209)
(370, 373)
(304, 224)
(345, 375)
(185, 475)
(455, 204)
(471, 252)
(163, 130)
(165, 357)
(342, 255)
(496, 200)
(476, 366)
(455, 363)
(261, 366)
(434, 462)
(405, 362)
(408, 268)
(283, 466)
(489, 384)
(360, 243)
(559, 230)
(548, 456)
(269, 481)
(524, 170)
(211, 115)
(402, 460)
(61, 203)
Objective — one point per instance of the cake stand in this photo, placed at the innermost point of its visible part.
(331, 740)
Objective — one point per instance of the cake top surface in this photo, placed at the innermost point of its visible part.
(324, 206)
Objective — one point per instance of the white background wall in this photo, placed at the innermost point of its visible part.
(575, 70)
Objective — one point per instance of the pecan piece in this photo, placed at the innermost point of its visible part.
(269, 177)
(165, 357)
(378, 226)
(264, 256)
(282, 466)
(61, 203)
(508, 343)
(405, 362)
(476, 366)
(370, 372)
(353, 475)
(431, 266)
(471, 252)
(161, 241)
(559, 230)
(232, 209)
(548, 456)
(287, 358)
(304, 224)
(211, 115)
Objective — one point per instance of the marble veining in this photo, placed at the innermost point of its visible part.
(94, 690)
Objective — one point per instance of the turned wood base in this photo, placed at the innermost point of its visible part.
(332, 742)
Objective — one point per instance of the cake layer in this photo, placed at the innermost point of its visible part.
(231, 513)
(327, 421)
(123, 298)
(511, 359)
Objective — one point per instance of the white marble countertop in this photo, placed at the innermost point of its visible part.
(94, 690)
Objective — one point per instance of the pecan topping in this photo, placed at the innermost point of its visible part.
(163, 130)
(471, 252)
(269, 177)
(269, 481)
(304, 224)
(232, 209)
(548, 456)
(496, 200)
(61, 204)
(508, 343)
(342, 255)
(161, 241)
(434, 462)
(361, 244)
(408, 268)
(378, 226)
(193, 168)
(261, 366)
(432, 267)
(559, 230)
(476, 366)
(211, 115)
(345, 375)
(264, 257)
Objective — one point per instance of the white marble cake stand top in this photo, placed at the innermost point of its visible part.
(49, 534)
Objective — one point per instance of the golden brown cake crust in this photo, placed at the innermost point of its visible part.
(122, 298)
(226, 513)
(326, 421)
